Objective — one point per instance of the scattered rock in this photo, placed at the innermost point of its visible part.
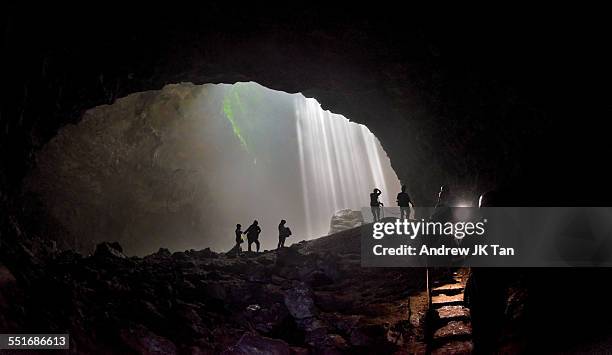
(253, 307)
(455, 347)
(308, 295)
(143, 341)
(267, 320)
(299, 301)
(254, 344)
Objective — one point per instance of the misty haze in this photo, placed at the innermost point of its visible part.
(179, 167)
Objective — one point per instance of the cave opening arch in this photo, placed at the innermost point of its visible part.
(178, 167)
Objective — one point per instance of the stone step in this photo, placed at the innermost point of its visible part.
(451, 320)
(450, 286)
(445, 300)
(448, 313)
(452, 331)
(454, 347)
(448, 289)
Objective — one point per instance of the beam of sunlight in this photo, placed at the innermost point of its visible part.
(341, 162)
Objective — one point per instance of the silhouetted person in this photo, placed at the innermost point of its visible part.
(375, 204)
(442, 212)
(403, 201)
(238, 238)
(252, 234)
(283, 233)
(443, 196)
(485, 295)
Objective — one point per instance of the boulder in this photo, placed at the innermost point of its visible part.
(109, 250)
(163, 253)
(299, 301)
(345, 219)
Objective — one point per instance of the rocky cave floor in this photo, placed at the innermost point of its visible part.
(313, 297)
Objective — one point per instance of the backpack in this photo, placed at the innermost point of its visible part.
(286, 232)
(403, 199)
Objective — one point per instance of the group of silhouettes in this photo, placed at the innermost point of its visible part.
(403, 201)
(252, 235)
(253, 231)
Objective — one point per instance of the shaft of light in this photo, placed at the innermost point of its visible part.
(341, 163)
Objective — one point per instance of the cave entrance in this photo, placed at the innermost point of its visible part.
(179, 167)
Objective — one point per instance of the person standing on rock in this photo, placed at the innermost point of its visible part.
(486, 294)
(375, 204)
(403, 201)
(442, 211)
(283, 233)
(252, 234)
(443, 196)
(239, 233)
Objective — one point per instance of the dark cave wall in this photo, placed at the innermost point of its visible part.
(351, 71)
(471, 102)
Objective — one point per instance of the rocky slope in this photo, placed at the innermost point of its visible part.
(313, 297)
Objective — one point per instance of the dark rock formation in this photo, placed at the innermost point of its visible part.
(196, 302)
(104, 250)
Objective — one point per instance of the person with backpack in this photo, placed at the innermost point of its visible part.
(442, 210)
(403, 201)
(283, 233)
(252, 234)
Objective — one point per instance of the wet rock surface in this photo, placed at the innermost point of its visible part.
(313, 297)
(453, 329)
